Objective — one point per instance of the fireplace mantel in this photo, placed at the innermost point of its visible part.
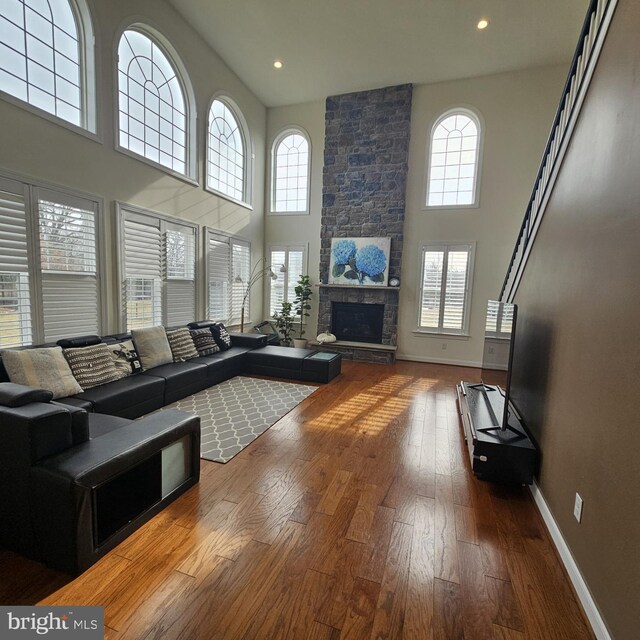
(356, 286)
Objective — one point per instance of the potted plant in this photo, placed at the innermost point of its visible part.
(301, 306)
(284, 323)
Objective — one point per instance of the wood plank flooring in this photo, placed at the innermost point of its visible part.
(354, 517)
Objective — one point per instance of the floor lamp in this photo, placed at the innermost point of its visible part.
(259, 271)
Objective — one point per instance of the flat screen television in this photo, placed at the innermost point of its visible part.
(497, 357)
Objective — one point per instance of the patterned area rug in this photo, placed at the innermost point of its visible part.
(235, 412)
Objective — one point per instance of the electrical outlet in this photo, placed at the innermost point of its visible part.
(577, 508)
(444, 346)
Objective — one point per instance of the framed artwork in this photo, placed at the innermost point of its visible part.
(360, 261)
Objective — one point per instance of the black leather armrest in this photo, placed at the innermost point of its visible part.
(92, 463)
(79, 422)
(17, 395)
(251, 340)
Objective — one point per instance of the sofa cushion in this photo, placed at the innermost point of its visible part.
(41, 368)
(152, 346)
(179, 374)
(92, 366)
(114, 398)
(205, 344)
(224, 364)
(280, 357)
(182, 346)
(221, 336)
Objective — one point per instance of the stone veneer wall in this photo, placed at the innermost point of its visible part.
(365, 171)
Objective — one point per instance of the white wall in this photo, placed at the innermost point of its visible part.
(300, 229)
(33, 147)
(517, 109)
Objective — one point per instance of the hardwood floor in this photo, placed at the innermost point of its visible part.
(354, 517)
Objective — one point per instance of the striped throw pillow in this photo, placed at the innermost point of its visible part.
(92, 366)
(181, 344)
(205, 344)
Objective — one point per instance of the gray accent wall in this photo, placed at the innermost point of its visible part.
(577, 359)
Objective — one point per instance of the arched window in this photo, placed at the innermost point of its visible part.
(45, 59)
(290, 172)
(227, 157)
(453, 165)
(153, 102)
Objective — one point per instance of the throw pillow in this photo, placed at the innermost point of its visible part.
(152, 346)
(205, 344)
(181, 344)
(125, 357)
(221, 336)
(92, 366)
(43, 368)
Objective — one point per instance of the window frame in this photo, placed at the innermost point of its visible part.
(191, 139)
(224, 237)
(472, 113)
(164, 220)
(447, 247)
(243, 127)
(273, 175)
(88, 80)
(31, 190)
(286, 248)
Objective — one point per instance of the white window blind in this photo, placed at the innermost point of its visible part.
(49, 278)
(15, 299)
(283, 288)
(445, 288)
(180, 250)
(228, 271)
(159, 260)
(68, 265)
(241, 270)
(499, 319)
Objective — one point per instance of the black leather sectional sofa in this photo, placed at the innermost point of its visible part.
(78, 475)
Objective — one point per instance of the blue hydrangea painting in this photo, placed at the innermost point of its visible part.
(359, 261)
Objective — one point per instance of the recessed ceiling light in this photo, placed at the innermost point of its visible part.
(483, 24)
(278, 64)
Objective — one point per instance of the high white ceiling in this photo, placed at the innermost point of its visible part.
(336, 46)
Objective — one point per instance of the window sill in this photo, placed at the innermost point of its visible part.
(156, 165)
(448, 207)
(240, 203)
(289, 213)
(425, 333)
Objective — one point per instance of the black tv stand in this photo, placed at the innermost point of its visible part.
(498, 454)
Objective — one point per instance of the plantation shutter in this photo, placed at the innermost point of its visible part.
(142, 269)
(180, 251)
(240, 274)
(445, 288)
(68, 265)
(283, 288)
(456, 289)
(15, 299)
(219, 275)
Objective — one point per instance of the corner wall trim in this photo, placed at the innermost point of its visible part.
(582, 590)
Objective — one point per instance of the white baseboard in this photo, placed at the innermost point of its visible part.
(457, 363)
(586, 599)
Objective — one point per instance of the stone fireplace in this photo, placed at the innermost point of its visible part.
(363, 195)
(357, 322)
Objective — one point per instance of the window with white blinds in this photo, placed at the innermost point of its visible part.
(445, 288)
(282, 289)
(48, 262)
(228, 272)
(499, 319)
(159, 270)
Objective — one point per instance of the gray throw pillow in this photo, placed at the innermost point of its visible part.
(44, 368)
(181, 344)
(92, 366)
(152, 347)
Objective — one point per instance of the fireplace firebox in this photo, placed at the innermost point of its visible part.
(356, 322)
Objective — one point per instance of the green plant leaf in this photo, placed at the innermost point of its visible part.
(338, 270)
(351, 275)
(379, 277)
